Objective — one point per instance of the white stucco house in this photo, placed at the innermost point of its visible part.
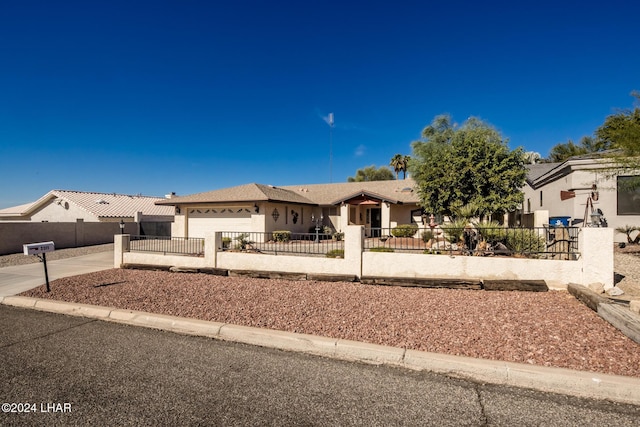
(72, 206)
(577, 187)
(266, 208)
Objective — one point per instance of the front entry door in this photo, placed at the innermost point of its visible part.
(376, 221)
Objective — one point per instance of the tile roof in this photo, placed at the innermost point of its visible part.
(102, 205)
(396, 191)
(241, 193)
(16, 210)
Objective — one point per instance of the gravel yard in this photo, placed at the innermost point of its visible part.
(549, 328)
(542, 328)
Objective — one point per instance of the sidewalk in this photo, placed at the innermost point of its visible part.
(20, 278)
(14, 280)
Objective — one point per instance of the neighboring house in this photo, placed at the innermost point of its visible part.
(71, 206)
(578, 186)
(265, 208)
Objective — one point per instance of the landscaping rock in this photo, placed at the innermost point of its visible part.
(635, 306)
(614, 292)
(597, 287)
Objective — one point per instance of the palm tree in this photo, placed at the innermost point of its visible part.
(406, 160)
(400, 163)
(628, 229)
(397, 163)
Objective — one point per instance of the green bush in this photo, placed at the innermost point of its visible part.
(453, 230)
(226, 242)
(243, 241)
(281, 236)
(427, 235)
(491, 232)
(338, 236)
(335, 253)
(381, 249)
(524, 240)
(405, 230)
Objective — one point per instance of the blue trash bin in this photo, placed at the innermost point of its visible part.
(558, 221)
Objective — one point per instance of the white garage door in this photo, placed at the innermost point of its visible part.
(203, 221)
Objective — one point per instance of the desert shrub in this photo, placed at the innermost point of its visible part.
(282, 236)
(243, 241)
(491, 232)
(427, 235)
(405, 230)
(453, 230)
(525, 240)
(335, 253)
(381, 249)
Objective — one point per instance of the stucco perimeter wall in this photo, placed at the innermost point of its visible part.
(351, 264)
(557, 274)
(595, 264)
(63, 234)
(165, 260)
(284, 263)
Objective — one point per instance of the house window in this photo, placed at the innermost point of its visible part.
(628, 197)
(275, 215)
(540, 198)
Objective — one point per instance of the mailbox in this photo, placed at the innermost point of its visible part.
(38, 248)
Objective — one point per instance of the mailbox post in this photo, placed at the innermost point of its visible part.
(40, 250)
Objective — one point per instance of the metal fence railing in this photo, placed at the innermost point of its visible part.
(167, 245)
(275, 243)
(550, 242)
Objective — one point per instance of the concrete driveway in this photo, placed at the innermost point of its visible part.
(20, 278)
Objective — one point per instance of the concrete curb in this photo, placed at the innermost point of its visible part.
(556, 380)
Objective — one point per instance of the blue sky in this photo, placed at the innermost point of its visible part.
(188, 96)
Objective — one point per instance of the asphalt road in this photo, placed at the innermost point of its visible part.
(77, 371)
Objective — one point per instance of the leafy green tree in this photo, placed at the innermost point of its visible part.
(400, 163)
(622, 131)
(561, 152)
(619, 132)
(471, 164)
(371, 173)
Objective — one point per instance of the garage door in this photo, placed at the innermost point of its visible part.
(203, 221)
